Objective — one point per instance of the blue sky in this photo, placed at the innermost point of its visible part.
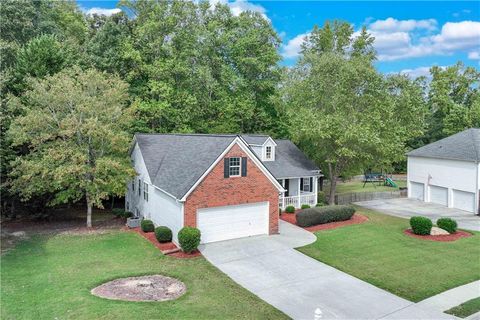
(411, 36)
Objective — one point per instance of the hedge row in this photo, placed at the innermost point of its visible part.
(320, 215)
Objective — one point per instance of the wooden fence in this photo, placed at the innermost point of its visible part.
(347, 198)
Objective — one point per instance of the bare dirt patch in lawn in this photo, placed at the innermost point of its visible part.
(143, 288)
(356, 219)
(442, 238)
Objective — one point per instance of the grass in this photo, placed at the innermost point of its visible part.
(465, 309)
(357, 186)
(50, 277)
(378, 252)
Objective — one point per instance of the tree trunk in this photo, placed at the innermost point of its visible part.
(89, 212)
(333, 184)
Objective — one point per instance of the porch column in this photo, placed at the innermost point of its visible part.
(315, 190)
(299, 194)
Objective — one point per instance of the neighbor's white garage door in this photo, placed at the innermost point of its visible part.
(464, 200)
(438, 195)
(230, 222)
(416, 191)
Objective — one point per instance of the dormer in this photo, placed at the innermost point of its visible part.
(268, 150)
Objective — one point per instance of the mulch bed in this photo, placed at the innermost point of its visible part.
(165, 248)
(442, 238)
(143, 288)
(356, 219)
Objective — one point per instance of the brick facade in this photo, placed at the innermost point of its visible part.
(216, 191)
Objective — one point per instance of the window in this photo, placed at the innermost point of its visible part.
(137, 213)
(128, 206)
(145, 191)
(268, 152)
(306, 184)
(139, 187)
(133, 185)
(234, 167)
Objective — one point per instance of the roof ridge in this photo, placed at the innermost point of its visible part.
(189, 134)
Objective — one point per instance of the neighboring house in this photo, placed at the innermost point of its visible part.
(447, 171)
(228, 186)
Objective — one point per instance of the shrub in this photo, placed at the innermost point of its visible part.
(319, 204)
(321, 197)
(127, 214)
(163, 234)
(189, 239)
(290, 209)
(147, 225)
(421, 225)
(305, 206)
(447, 224)
(326, 214)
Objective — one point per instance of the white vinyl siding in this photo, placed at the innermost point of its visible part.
(230, 222)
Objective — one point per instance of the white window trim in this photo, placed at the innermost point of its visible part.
(239, 166)
(307, 184)
(145, 191)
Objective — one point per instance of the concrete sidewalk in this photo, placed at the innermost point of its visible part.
(303, 287)
(453, 297)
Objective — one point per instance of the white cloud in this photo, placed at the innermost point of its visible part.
(474, 55)
(419, 72)
(239, 6)
(102, 11)
(394, 25)
(293, 46)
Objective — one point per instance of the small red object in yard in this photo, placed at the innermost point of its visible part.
(356, 219)
(167, 248)
(442, 238)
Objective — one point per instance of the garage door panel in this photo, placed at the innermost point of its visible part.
(230, 222)
(438, 195)
(464, 200)
(417, 190)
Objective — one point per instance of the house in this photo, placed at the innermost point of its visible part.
(228, 186)
(447, 171)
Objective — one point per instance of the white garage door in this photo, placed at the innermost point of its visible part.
(438, 195)
(464, 200)
(416, 191)
(230, 222)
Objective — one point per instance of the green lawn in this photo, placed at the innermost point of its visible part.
(378, 252)
(465, 309)
(51, 278)
(357, 186)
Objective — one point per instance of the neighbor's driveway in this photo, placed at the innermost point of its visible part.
(406, 208)
(298, 285)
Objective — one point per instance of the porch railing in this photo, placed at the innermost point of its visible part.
(297, 201)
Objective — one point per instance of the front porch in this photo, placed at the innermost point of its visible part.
(302, 190)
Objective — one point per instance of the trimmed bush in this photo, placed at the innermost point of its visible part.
(447, 224)
(127, 214)
(421, 225)
(321, 197)
(147, 226)
(290, 209)
(320, 215)
(163, 234)
(189, 239)
(305, 206)
(319, 204)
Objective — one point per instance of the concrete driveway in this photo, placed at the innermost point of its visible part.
(407, 208)
(302, 287)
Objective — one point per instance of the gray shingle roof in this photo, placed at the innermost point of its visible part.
(176, 161)
(289, 161)
(464, 145)
(255, 139)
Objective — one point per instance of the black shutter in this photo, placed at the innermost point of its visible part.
(244, 166)
(311, 184)
(301, 184)
(226, 167)
(286, 186)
